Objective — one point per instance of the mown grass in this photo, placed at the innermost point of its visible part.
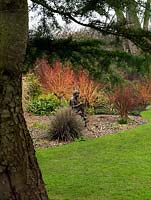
(115, 167)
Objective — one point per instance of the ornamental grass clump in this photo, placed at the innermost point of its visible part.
(66, 125)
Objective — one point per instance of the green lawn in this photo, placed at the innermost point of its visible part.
(111, 167)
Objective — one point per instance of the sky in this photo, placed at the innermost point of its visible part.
(33, 21)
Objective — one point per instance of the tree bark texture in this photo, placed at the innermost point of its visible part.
(133, 22)
(20, 176)
(147, 15)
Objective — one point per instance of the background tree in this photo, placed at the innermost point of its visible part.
(20, 177)
(102, 56)
(101, 16)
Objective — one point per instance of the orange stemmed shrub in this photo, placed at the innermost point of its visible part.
(88, 89)
(62, 80)
(143, 89)
(134, 96)
(57, 79)
(123, 99)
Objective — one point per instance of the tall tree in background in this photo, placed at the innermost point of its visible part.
(131, 20)
(20, 177)
(147, 15)
(134, 14)
(102, 15)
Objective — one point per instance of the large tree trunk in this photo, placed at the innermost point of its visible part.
(20, 177)
(147, 15)
(133, 22)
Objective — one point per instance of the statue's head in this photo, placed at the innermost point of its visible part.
(76, 93)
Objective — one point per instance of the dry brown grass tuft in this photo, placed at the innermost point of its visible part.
(66, 125)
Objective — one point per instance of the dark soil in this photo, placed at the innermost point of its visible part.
(98, 125)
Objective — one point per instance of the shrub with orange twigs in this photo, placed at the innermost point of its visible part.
(57, 79)
(123, 99)
(88, 89)
(143, 89)
(62, 80)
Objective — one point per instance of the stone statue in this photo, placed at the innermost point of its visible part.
(77, 105)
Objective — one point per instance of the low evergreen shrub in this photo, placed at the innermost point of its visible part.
(44, 104)
(30, 89)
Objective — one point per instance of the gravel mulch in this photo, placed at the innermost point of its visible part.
(98, 126)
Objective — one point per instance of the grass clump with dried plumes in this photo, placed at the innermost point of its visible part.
(66, 125)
